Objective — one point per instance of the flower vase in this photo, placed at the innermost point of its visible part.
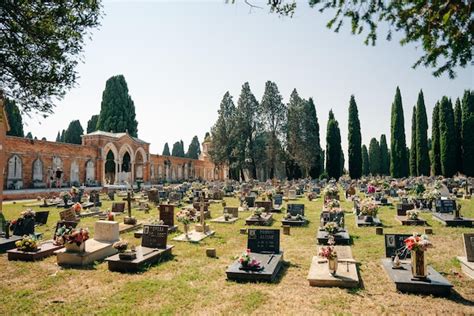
(75, 248)
(186, 230)
(66, 200)
(418, 264)
(332, 264)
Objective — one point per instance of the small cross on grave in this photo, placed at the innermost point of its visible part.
(202, 226)
(129, 219)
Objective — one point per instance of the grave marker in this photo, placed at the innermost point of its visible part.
(264, 240)
(394, 243)
(155, 236)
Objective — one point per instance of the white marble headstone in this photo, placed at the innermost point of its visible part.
(107, 231)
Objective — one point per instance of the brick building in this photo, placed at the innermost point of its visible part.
(102, 159)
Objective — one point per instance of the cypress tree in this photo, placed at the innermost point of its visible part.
(384, 156)
(458, 134)
(117, 110)
(29, 135)
(58, 138)
(333, 148)
(166, 150)
(194, 149)
(398, 155)
(355, 141)
(422, 151)
(92, 124)
(435, 142)
(374, 157)
(365, 161)
(294, 136)
(73, 133)
(468, 132)
(178, 149)
(447, 143)
(413, 154)
(311, 139)
(14, 119)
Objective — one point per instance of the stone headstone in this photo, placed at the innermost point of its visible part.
(468, 239)
(41, 217)
(263, 240)
(292, 194)
(234, 211)
(445, 206)
(278, 199)
(155, 236)
(394, 243)
(250, 200)
(68, 215)
(296, 209)
(153, 196)
(25, 226)
(118, 207)
(167, 214)
(107, 231)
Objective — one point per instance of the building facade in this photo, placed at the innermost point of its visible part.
(102, 159)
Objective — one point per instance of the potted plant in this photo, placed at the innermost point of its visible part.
(249, 263)
(329, 252)
(186, 216)
(418, 245)
(75, 239)
(27, 244)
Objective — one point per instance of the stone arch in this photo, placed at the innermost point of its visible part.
(142, 152)
(123, 150)
(15, 173)
(37, 170)
(109, 147)
(140, 161)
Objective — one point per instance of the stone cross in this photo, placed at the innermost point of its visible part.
(129, 200)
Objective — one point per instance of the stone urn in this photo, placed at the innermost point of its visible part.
(418, 264)
(332, 265)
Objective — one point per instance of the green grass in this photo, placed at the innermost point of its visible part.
(191, 283)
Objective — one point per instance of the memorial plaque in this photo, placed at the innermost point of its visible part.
(41, 217)
(296, 209)
(118, 207)
(278, 199)
(469, 246)
(250, 200)
(264, 240)
(68, 215)
(155, 236)
(167, 214)
(445, 206)
(394, 243)
(232, 210)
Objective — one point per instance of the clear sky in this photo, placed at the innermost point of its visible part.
(179, 58)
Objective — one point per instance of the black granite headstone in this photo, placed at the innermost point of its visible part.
(445, 206)
(41, 217)
(250, 201)
(264, 240)
(296, 209)
(278, 199)
(396, 243)
(155, 236)
(167, 214)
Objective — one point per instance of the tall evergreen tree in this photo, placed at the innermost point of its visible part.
(374, 157)
(435, 142)
(398, 142)
(58, 138)
(294, 137)
(249, 127)
(14, 119)
(178, 149)
(447, 143)
(355, 141)
(311, 140)
(413, 153)
(365, 161)
(92, 124)
(224, 149)
(117, 110)
(194, 149)
(63, 136)
(458, 134)
(468, 132)
(422, 152)
(166, 150)
(274, 121)
(333, 148)
(384, 156)
(73, 133)
(29, 135)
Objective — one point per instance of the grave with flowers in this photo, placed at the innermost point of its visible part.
(334, 266)
(367, 214)
(13, 231)
(449, 214)
(260, 218)
(230, 215)
(414, 275)
(80, 250)
(409, 217)
(263, 259)
(201, 230)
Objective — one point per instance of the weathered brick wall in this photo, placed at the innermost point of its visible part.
(29, 150)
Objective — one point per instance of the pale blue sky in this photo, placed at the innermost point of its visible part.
(179, 58)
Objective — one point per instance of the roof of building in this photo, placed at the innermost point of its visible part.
(115, 135)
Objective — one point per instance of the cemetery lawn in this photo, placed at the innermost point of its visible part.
(191, 283)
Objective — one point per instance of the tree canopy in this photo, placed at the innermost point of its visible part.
(41, 45)
(92, 124)
(14, 119)
(73, 133)
(194, 149)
